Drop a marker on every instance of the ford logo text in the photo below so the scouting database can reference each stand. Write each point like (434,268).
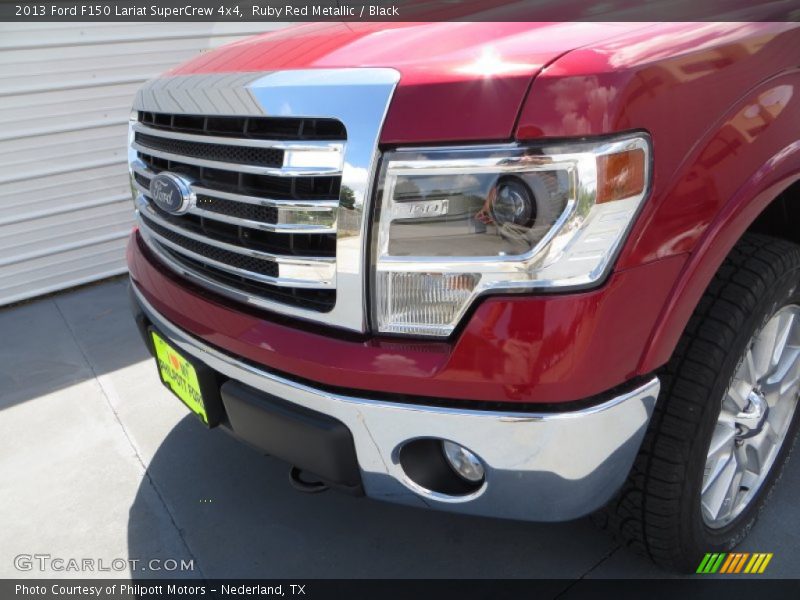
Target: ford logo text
(172,193)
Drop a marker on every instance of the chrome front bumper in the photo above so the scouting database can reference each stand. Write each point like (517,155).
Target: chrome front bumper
(539,466)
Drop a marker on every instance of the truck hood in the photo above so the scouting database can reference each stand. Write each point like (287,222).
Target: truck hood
(458,81)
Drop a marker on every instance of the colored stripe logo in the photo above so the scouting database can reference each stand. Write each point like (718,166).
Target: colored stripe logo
(735,562)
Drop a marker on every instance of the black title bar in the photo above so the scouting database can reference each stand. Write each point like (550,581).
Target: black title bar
(731,588)
(400,10)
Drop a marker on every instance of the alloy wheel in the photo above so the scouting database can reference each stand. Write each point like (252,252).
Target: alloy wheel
(756,414)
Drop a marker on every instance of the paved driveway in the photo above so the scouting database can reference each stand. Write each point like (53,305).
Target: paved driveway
(98,461)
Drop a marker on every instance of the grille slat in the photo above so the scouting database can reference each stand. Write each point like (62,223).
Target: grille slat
(286,216)
(304,145)
(269,186)
(276,157)
(241,287)
(256,169)
(216,152)
(292,128)
(263,218)
(153,214)
(289,271)
(245,212)
(224,259)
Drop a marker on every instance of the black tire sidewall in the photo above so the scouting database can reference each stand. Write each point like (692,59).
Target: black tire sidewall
(698,538)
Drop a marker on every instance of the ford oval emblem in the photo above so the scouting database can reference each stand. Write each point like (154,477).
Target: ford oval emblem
(172,193)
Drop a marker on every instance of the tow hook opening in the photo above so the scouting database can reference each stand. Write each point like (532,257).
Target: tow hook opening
(303,482)
(442,467)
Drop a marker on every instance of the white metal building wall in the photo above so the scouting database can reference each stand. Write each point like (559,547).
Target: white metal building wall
(65,96)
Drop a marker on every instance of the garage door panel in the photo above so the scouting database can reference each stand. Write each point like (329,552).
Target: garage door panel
(38,153)
(52,234)
(49,35)
(49,274)
(65,97)
(53,192)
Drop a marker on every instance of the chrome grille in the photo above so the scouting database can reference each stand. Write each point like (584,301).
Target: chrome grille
(281,166)
(264,218)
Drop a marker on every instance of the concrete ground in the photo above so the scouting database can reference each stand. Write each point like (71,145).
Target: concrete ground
(99,461)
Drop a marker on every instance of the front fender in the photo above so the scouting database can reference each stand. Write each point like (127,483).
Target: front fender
(780,171)
(722,104)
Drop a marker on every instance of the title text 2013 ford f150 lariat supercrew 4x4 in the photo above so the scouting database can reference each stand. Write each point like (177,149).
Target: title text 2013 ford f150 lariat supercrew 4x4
(531,271)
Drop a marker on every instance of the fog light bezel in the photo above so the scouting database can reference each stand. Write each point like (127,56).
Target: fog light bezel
(427,472)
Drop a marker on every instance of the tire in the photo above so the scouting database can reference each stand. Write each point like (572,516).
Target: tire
(658,512)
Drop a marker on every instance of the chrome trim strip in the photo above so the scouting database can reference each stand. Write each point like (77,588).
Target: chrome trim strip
(144,205)
(295,205)
(358,98)
(137,166)
(316,154)
(150,235)
(539,466)
(219,287)
(240,167)
(285,145)
(283,213)
(306,272)
(273,227)
(305,205)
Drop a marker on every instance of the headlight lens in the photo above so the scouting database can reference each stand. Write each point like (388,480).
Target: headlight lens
(454,223)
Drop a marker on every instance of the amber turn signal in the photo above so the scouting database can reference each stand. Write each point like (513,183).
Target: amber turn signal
(620,175)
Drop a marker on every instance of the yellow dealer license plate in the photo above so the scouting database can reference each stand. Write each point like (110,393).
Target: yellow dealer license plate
(180,376)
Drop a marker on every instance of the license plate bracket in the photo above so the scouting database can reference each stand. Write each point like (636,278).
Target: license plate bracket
(195,384)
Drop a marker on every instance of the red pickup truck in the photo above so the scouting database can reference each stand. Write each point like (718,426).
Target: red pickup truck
(531,271)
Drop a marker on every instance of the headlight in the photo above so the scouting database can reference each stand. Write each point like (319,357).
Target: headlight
(455,223)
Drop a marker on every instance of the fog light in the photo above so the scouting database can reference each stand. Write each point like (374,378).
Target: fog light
(463,462)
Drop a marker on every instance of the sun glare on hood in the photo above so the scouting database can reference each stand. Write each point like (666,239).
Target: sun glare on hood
(491,64)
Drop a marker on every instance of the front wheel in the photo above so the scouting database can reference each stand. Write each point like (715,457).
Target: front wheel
(726,417)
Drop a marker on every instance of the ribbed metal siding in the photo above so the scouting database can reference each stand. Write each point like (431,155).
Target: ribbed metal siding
(65,96)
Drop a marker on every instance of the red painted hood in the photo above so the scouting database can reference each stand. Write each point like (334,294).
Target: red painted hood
(459,81)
